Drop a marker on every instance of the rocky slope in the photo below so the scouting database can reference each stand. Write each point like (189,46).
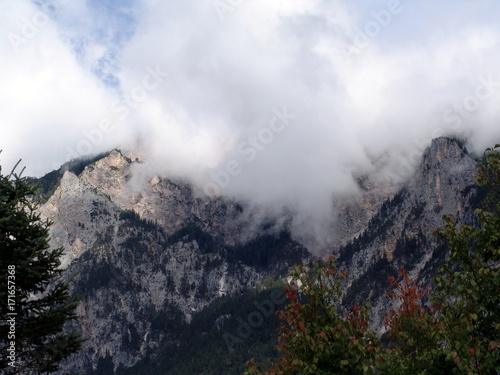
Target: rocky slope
(146,261)
(148,256)
(400,234)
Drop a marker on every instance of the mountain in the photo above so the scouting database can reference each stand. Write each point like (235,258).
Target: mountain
(400,234)
(148,261)
(171,279)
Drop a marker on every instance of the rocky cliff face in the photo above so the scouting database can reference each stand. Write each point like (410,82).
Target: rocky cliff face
(149,255)
(148,260)
(400,234)
(106,185)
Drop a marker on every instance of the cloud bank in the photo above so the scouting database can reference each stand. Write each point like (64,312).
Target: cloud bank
(277,102)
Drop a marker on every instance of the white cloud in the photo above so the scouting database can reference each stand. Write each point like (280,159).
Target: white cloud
(48,100)
(227,78)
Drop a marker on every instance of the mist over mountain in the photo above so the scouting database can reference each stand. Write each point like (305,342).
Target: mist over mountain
(162,265)
(283,103)
(190,152)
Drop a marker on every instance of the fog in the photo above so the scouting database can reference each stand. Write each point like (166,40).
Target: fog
(278,103)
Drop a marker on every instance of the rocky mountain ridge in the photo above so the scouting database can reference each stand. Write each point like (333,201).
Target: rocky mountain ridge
(141,275)
(400,234)
(150,256)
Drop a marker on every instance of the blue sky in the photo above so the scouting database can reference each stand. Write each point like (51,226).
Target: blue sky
(189,84)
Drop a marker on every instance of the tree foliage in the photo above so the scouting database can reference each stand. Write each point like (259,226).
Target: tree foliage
(468,286)
(34,302)
(451,329)
(316,336)
(414,332)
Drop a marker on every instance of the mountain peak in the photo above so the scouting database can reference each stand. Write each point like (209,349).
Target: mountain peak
(445,173)
(445,149)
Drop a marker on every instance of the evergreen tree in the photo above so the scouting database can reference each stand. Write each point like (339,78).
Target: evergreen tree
(34,301)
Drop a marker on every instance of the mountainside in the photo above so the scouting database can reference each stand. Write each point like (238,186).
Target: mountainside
(154,260)
(148,261)
(400,234)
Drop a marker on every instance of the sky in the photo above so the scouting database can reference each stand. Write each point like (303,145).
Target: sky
(278,102)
